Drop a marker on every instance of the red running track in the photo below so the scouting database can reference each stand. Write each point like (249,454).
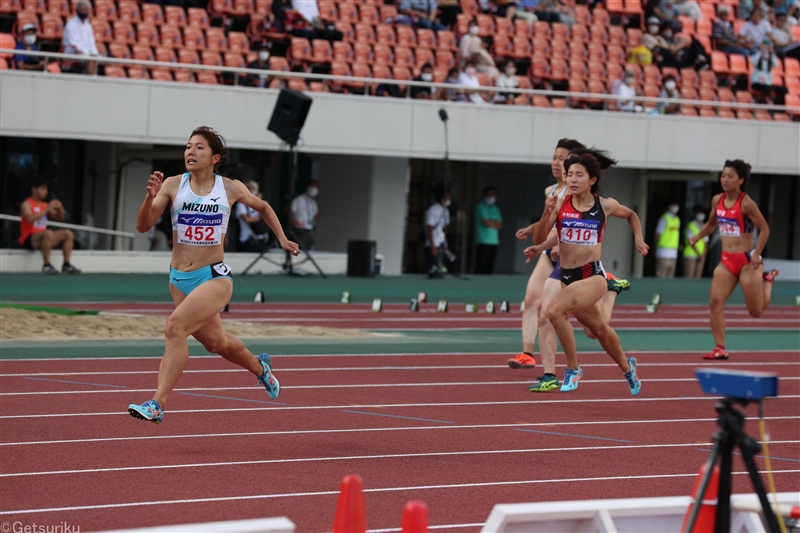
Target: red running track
(459,432)
(398,316)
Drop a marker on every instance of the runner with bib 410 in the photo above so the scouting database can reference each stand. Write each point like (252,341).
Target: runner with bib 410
(200,282)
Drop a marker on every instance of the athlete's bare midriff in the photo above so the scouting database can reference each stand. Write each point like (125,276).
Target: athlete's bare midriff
(187,258)
(737,245)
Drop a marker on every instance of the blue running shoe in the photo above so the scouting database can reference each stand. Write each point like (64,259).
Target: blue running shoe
(268,379)
(149,410)
(633,379)
(571,378)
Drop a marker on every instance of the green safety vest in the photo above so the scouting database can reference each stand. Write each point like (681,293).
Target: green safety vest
(694,228)
(671,238)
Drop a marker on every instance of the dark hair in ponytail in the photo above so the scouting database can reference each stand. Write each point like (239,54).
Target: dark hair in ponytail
(596,162)
(742,169)
(215,141)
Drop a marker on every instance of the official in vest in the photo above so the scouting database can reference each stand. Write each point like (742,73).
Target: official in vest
(694,257)
(668,239)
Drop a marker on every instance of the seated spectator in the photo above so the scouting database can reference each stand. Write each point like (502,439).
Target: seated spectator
(454,95)
(755,30)
(650,38)
(510,9)
(690,8)
(670,90)
(761,80)
(448,12)
(469,77)
(34,234)
(663,10)
(260,63)
(79,37)
(425,93)
(723,36)
(422,13)
(253,231)
(507,80)
(28,42)
(626,89)
(746,8)
(472,48)
(680,52)
(544,10)
(290,20)
(783,38)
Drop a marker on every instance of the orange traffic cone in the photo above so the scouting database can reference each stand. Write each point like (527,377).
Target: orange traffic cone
(415,517)
(708,507)
(350,512)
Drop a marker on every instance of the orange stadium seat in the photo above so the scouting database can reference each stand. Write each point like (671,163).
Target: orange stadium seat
(579,33)
(426,38)
(387,13)
(404,57)
(152,14)
(193,38)
(34,6)
(115,71)
(362,53)
(725,112)
(382,54)
(51,28)
(119,50)
(102,30)
(207,77)
(327,10)
(503,26)
(501,46)
(194,17)
(369,14)
(384,34)
(128,10)
(522,28)
(166,54)
(9,6)
(348,12)
(123,32)
(242,8)
(275,63)
(147,34)
(486,26)
(61,8)
(462,23)
(342,51)
(176,16)
(364,33)
(582,14)
(300,49)
(405,36)
(188,57)
(444,59)
(142,52)
(264,8)
(237,42)
(321,51)
(447,40)
(171,36)
(634,37)
(423,57)
(236,60)
(215,39)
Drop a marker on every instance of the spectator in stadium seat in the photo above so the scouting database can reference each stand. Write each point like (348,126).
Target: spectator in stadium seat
(425,93)
(507,80)
(290,20)
(448,12)
(422,13)
(679,52)
(668,236)
(510,9)
(670,90)
(253,231)
(652,38)
(783,38)
(690,8)
(260,63)
(304,212)
(724,37)
(755,30)
(488,222)
(28,42)
(469,77)
(34,234)
(746,8)
(454,95)
(472,48)
(761,79)
(79,37)
(663,10)
(544,10)
(626,89)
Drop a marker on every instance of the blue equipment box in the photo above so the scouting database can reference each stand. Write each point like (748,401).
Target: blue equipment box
(738,384)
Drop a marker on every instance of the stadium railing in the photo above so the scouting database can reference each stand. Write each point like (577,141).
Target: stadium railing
(792,112)
(91,229)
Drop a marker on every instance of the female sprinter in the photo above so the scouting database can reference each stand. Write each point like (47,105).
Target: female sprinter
(581,217)
(200,282)
(544,267)
(737,215)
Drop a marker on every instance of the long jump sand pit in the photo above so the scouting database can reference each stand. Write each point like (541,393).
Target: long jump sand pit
(25,325)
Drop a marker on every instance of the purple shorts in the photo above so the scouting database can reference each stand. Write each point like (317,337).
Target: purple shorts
(556,274)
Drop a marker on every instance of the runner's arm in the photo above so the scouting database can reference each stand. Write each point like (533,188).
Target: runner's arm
(159,193)
(712,223)
(549,217)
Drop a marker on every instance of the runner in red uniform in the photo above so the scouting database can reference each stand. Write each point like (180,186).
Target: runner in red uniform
(737,215)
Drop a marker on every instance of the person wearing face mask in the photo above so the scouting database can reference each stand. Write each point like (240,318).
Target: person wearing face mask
(437,218)
(668,238)
(670,90)
(28,42)
(651,39)
(253,231)
(425,93)
(507,80)
(304,211)
(469,77)
(488,223)
(723,35)
(260,63)
(472,48)
(694,255)
(79,36)
(626,90)
(764,62)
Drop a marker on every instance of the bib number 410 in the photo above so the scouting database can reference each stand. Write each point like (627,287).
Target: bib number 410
(578,235)
(199,233)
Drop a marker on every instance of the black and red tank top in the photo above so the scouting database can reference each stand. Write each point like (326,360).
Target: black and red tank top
(582,228)
(733,222)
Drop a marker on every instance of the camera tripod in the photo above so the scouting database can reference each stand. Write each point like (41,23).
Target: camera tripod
(731,435)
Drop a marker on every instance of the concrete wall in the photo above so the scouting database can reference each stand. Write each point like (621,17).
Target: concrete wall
(109,109)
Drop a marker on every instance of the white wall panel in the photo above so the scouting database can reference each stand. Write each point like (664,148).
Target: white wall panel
(96,108)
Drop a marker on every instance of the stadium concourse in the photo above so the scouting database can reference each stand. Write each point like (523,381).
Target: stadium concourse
(586,47)
(422,406)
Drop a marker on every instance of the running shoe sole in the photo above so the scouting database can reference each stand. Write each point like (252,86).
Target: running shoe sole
(513,363)
(712,357)
(638,384)
(135,413)
(266,364)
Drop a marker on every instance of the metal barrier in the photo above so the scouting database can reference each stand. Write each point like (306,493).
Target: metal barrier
(76,227)
(793,112)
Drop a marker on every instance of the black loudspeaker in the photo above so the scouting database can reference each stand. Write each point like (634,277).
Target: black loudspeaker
(361,259)
(289,115)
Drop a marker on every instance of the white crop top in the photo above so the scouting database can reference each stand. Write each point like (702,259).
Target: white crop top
(200,220)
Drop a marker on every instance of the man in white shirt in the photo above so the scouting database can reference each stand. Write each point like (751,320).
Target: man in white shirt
(308,8)
(79,36)
(253,231)
(755,30)
(437,217)
(626,89)
(304,211)
(469,77)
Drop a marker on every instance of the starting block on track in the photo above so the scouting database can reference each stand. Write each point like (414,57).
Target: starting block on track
(377,305)
(442,307)
(504,307)
(422,297)
(471,308)
(653,306)
(490,308)
(346,298)
(259,297)
(414,305)
(522,307)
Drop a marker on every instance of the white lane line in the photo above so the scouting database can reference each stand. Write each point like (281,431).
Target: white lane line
(356,386)
(370,430)
(648,353)
(441,526)
(366,457)
(370,368)
(393,405)
(483,320)
(376,490)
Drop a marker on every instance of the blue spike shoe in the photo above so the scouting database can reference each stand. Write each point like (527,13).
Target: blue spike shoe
(149,410)
(268,379)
